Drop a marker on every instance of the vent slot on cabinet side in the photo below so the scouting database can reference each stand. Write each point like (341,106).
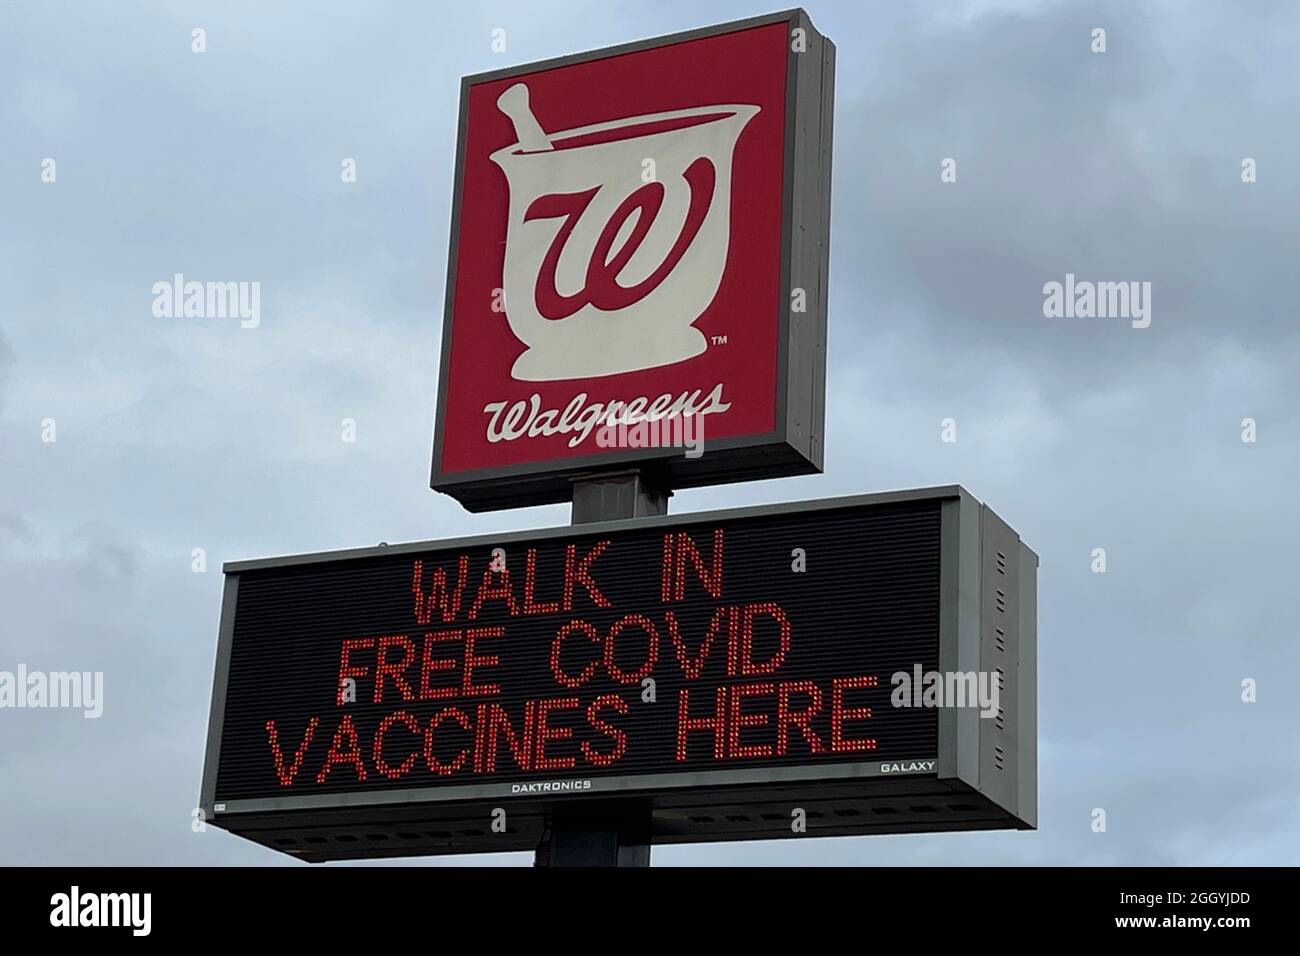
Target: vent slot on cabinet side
(999,633)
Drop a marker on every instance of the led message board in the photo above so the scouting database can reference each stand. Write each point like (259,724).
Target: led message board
(724,668)
(637,263)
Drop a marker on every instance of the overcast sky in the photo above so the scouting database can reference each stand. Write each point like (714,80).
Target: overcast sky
(176,434)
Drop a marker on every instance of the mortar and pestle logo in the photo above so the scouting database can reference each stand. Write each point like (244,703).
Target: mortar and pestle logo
(604,271)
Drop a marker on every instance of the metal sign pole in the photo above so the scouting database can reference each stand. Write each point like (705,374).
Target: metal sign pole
(605,833)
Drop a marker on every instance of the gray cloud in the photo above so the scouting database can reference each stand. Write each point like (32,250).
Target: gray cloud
(6,366)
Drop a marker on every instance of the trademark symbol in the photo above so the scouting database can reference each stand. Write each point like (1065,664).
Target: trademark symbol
(719,340)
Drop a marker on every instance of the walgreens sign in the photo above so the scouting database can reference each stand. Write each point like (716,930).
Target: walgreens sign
(637,266)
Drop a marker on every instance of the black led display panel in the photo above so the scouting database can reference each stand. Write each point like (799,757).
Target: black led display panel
(648,656)
(534,663)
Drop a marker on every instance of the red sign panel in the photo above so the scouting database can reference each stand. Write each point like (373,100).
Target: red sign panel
(620,265)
